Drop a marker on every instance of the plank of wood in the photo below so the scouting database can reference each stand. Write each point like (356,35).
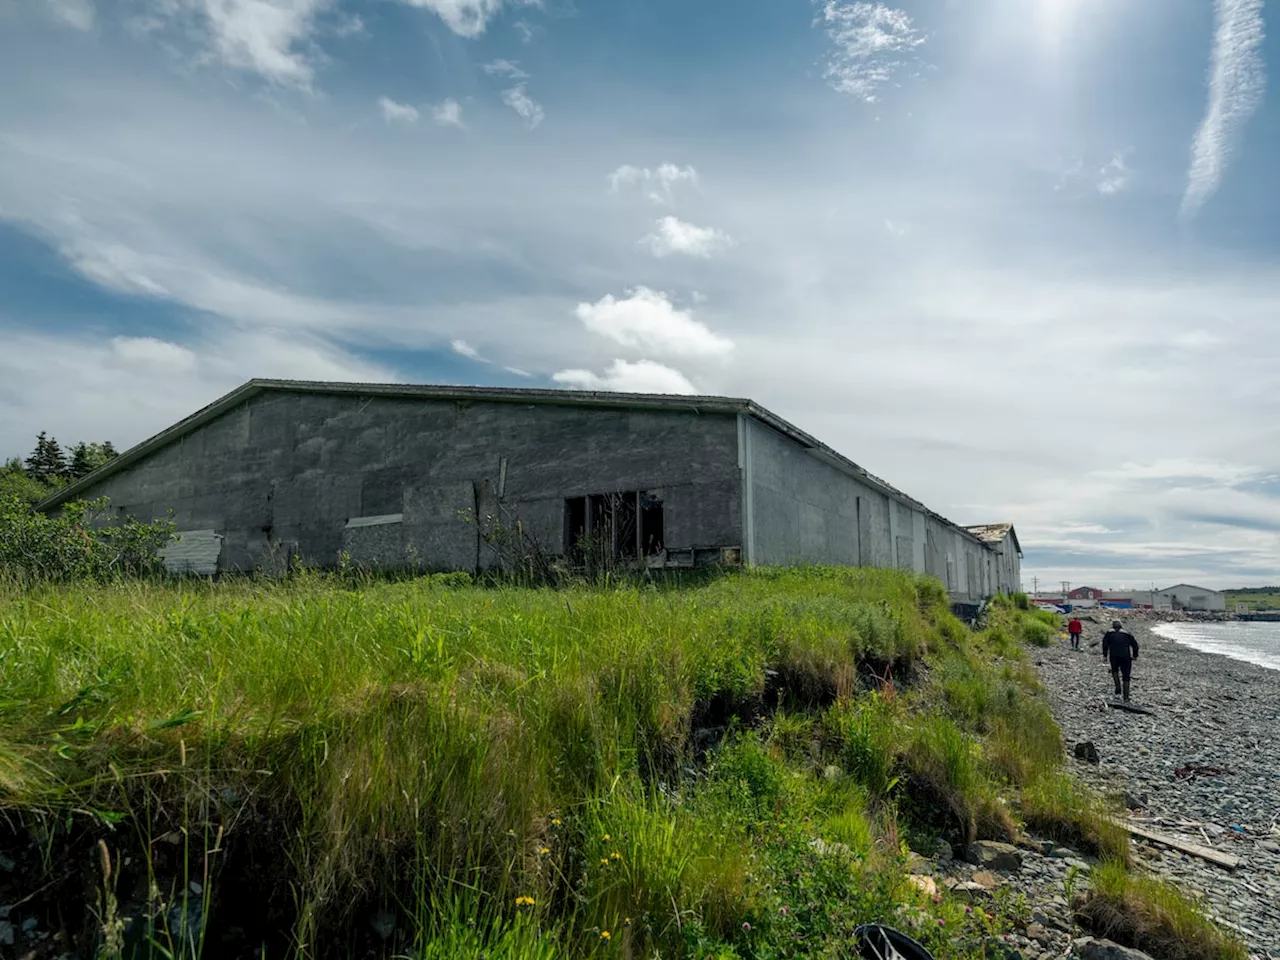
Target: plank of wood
(1196,850)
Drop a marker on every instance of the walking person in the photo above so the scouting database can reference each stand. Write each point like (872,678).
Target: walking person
(1075,628)
(1122,649)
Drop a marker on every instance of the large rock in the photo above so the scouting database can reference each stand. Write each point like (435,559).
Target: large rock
(1087,752)
(994,856)
(1087,948)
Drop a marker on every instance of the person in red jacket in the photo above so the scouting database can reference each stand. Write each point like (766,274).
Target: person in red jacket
(1075,628)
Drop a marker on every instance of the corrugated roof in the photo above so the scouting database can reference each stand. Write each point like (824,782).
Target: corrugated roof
(995,533)
(576,398)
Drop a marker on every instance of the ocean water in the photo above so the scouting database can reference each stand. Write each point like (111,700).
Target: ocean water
(1252,642)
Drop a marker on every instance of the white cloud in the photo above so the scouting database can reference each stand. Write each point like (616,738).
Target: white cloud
(642,376)
(393,112)
(74,13)
(462,348)
(896,228)
(518,100)
(525,29)
(467,18)
(657,183)
(1237,80)
(674,236)
(872,41)
(1115,176)
(647,319)
(447,113)
(149,352)
(505,68)
(263,36)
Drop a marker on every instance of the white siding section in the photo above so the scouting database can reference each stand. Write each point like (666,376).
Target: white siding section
(192,551)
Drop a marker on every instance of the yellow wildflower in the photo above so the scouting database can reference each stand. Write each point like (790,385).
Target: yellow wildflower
(607,837)
(604,861)
(524,901)
(605,935)
(615,855)
(543,851)
(556,821)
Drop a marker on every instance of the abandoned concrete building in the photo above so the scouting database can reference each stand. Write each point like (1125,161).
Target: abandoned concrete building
(390,475)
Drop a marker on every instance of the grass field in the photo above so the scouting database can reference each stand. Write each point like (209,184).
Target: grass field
(326,767)
(1262,598)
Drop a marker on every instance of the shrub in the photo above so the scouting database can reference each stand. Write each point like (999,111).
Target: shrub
(1153,916)
(77,543)
(1036,632)
(1059,808)
(865,733)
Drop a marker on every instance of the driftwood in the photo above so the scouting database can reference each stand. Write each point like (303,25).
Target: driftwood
(1196,850)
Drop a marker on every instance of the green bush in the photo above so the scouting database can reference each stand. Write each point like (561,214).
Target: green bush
(78,543)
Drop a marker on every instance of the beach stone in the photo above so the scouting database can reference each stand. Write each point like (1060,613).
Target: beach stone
(986,879)
(925,884)
(1087,948)
(942,851)
(994,855)
(1037,932)
(1086,751)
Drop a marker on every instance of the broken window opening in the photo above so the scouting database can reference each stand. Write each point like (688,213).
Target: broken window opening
(614,527)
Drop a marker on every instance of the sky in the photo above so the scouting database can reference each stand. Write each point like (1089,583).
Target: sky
(1021,258)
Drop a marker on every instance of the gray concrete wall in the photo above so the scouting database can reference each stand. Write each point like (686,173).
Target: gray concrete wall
(285,472)
(803,509)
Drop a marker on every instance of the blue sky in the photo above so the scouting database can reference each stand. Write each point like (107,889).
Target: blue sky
(1019,257)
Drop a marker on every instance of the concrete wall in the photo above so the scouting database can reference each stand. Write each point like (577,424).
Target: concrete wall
(805,509)
(284,473)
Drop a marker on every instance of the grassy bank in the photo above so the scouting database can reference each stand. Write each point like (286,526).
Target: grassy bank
(433,769)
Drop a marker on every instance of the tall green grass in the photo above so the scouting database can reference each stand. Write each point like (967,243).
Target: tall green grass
(616,770)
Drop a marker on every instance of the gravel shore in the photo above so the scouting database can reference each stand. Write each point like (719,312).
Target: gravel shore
(1209,711)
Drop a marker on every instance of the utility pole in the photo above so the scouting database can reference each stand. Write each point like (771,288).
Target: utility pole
(1035,586)
(1066,588)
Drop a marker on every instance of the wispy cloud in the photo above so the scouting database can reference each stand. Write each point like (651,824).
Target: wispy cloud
(267,37)
(1115,176)
(151,352)
(447,113)
(505,68)
(673,236)
(518,99)
(872,42)
(393,112)
(1237,80)
(623,376)
(464,349)
(647,319)
(74,13)
(467,18)
(656,182)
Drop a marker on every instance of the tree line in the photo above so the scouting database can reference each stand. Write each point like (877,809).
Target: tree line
(49,467)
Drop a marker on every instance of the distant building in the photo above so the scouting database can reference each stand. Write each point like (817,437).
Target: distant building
(421,476)
(1185,596)
(1085,593)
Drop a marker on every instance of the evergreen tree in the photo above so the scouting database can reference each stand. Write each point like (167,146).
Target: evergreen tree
(81,462)
(90,456)
(47,463)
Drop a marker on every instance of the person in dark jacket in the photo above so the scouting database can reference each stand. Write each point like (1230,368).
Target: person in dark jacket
(1122,649)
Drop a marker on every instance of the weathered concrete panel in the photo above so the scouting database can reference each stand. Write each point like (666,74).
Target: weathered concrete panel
(286,470)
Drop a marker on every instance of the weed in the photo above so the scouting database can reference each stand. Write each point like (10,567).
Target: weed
(1153,916)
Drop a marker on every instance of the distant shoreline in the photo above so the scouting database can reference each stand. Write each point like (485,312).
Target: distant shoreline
(1212,638)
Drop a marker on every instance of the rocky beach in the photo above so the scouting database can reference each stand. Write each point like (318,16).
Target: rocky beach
(1204,766)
